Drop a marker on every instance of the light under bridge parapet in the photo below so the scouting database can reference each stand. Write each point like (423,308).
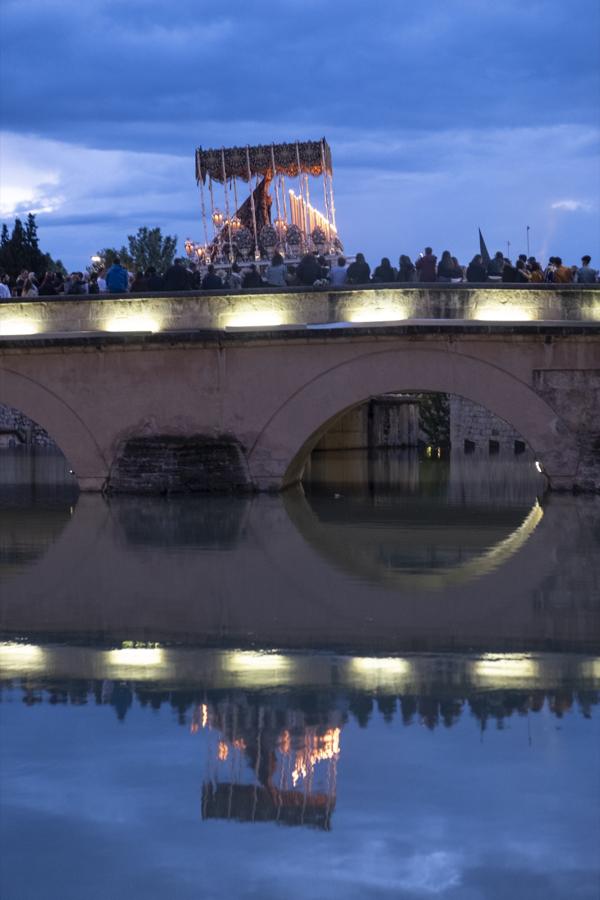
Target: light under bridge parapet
(190,311)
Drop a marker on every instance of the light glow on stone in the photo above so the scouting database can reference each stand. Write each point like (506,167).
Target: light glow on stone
(250,659)
(133,322)
(394,313)
(18,325)
(255,318)
(503,312)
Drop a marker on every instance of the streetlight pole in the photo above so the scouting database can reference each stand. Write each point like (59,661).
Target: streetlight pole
(508,249)
(528,242)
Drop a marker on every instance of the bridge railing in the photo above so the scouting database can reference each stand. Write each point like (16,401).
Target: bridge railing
(189,311)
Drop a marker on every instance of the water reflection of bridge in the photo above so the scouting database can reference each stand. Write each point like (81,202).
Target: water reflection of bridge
(296,574)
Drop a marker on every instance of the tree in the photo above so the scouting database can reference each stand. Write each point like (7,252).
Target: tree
(149,248)
(30,235)
(21,250)
(109,254)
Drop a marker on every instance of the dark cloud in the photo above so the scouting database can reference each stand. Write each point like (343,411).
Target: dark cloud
(162,70)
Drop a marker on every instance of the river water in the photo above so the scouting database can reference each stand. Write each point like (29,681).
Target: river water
(383,684)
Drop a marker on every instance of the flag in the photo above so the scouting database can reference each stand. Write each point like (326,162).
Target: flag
(483,250)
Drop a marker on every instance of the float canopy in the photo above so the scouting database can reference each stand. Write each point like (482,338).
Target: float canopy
(310,157)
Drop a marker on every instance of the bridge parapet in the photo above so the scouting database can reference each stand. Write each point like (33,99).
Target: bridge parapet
(269,309)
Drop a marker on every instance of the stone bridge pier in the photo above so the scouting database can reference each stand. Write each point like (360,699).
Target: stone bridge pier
(242,409)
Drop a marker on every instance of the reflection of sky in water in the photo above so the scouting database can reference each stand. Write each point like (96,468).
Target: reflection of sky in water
(112,808)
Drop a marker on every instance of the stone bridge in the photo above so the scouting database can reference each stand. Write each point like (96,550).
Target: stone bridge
(217,407)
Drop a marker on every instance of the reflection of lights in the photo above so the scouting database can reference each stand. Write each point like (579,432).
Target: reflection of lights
(317,748)
(503,312)
(538,466)
(132,323)
(591,668)
(379,314)
(496,667)
(254,318)
(204,714)
(222,751)
(239,744)
(136,656)
(18,325)
(21,657)
(381,664)
(250,659)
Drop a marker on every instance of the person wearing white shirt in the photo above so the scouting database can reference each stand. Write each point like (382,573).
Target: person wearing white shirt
(4,289)
(337,274)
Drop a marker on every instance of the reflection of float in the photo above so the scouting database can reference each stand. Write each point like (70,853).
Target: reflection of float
(267,764)
(273,216)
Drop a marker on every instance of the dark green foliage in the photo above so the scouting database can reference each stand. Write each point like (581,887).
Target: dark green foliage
(22,251)
(146,248)
(109,254)
(434,416)
(149,248)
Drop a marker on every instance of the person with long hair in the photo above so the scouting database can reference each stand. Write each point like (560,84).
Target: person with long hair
(385,272)
(276,273)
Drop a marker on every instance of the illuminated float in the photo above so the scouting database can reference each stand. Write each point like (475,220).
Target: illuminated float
(276,213)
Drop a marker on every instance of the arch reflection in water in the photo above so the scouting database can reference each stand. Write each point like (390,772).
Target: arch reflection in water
(459,564)
(414,522)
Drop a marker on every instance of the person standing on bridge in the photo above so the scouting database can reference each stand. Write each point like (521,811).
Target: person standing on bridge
(359,272)
(177,278)
(426,266)
(276,274)
(117,278)
(585,274)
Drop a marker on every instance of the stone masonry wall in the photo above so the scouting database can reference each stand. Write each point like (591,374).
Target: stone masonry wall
(164,464)
(474,423)
(16,429)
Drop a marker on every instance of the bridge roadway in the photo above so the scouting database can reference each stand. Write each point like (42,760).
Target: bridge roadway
(178,405)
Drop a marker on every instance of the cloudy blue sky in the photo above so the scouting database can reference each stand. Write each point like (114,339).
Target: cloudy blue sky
(441,116)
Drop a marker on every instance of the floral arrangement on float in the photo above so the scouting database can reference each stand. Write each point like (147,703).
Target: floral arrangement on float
(319,238)
(294,239)
(268,238)
(243,241)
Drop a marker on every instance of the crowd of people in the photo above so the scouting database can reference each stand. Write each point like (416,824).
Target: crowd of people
(312,271)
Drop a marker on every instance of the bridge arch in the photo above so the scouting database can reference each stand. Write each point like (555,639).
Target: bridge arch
(279,454)
(64,425)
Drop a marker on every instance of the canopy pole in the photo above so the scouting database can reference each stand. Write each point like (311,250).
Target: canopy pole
(283,200)
(203,208)
(325,196)
(212,206)
(304,211)
(309,224)
(253,208)
(228,217)
(331,201)
(275,182)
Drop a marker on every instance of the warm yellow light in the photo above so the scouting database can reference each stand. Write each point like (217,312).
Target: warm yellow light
(503,312)
(20,657)
(18,325)
(591,668)
(378,314)
(135,656)
(134,322)
(497,667)
(255,318)
(249,659)
(386,664)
